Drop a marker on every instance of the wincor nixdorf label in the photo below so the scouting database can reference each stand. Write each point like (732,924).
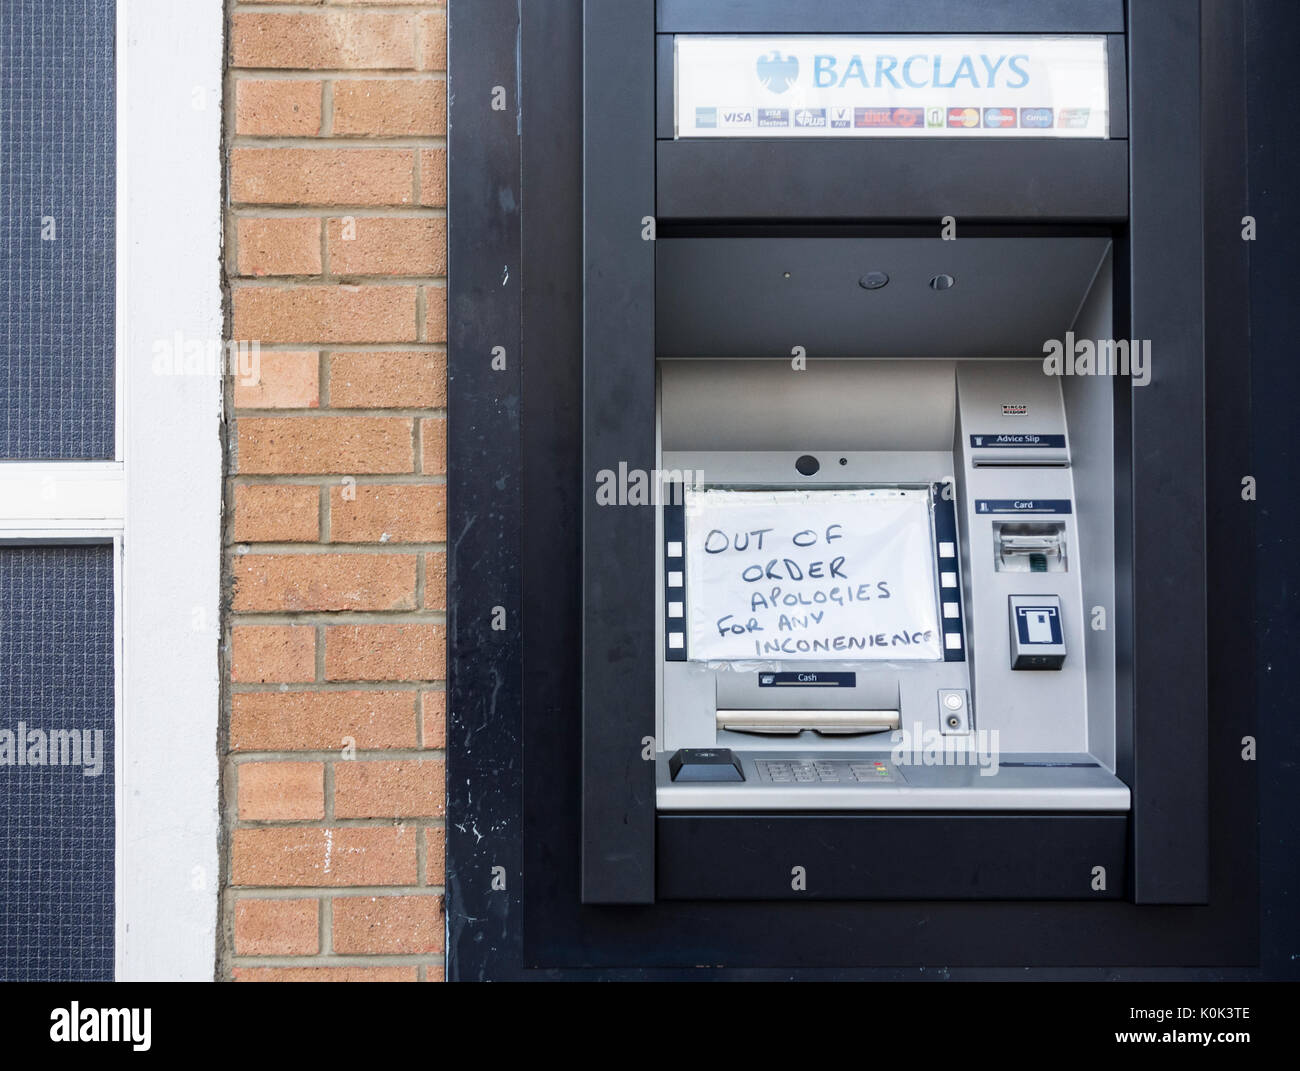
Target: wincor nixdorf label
(808,680)
(1018,439)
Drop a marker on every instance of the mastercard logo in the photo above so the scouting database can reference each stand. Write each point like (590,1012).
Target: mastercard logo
(963,117)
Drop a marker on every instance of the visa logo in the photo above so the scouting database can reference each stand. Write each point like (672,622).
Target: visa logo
(738,117)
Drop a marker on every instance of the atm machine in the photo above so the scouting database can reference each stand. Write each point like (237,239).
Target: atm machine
(862,489)
(900,359)
(895,597)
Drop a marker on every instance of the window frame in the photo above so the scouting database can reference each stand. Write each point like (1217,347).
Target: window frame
(158,502)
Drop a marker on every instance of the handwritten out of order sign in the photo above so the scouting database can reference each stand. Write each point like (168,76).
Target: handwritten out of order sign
(811,575)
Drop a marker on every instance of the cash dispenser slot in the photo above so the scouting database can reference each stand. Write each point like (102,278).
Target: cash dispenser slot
(823,722)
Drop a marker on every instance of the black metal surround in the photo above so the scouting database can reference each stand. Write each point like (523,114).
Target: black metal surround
(1267,315)
(890,16)
(849,857)
(484,470)
(973,181)
(554,934)
(618,637)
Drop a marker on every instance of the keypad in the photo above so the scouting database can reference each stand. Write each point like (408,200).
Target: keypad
(824,772)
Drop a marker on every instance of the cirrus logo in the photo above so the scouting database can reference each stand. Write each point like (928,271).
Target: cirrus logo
(776,72)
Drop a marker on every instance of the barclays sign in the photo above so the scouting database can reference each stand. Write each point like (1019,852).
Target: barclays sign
(961,86)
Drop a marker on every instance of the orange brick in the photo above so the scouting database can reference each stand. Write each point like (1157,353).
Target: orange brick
(390,925)
(433,177)
(433,439)
(411,788)
(260,654)
(435,314)
(433,715)
(276,927)
(325,313)
(325,974)
(324,445)
(306,856)
(334,40)
(435,581)
(433,41)
(270,107)
(322,176)
(388,246)
(390,107)
(281,791)
(397,513)
(297,582)
(278,245)
(274,513)
(324,721)
(415,652)
(281,379)
(435,856)
(388,380)
(435,972)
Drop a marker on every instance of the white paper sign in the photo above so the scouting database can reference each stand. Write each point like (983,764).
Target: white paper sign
(811,575)
(892,86)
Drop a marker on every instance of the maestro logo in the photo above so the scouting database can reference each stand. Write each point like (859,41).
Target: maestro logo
(776,72)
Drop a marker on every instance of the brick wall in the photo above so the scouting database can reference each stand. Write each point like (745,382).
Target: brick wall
(336,495)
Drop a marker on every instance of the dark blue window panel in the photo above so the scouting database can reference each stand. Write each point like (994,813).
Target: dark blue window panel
(56,818)
(57,161)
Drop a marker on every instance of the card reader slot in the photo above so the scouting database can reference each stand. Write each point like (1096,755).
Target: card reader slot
(1029,547)
(792,722)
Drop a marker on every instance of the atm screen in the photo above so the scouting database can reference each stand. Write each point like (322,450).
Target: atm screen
(834,575)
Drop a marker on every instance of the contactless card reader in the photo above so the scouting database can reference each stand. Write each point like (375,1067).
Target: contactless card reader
(705,764)
(1037,636)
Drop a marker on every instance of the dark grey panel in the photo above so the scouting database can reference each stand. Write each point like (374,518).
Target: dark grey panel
(890,857)
(665,87)
(56,816)
(1117,78)
(57,184)
(1170,799)
(891,16)
(730,297)
(893,179)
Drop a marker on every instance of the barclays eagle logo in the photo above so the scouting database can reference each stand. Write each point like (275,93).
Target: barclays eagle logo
(776,73)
